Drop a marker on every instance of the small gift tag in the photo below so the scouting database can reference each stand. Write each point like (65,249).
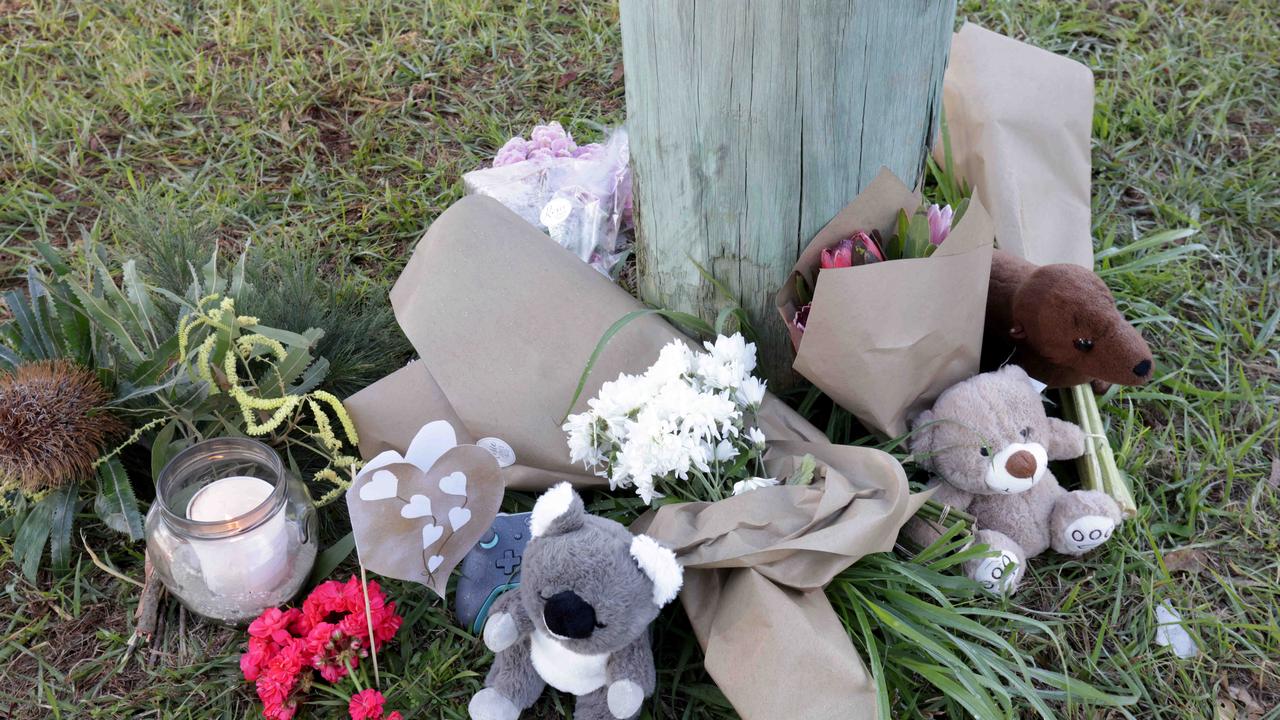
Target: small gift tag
(501,451)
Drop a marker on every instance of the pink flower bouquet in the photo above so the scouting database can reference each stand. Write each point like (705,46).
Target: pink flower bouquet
(886,305)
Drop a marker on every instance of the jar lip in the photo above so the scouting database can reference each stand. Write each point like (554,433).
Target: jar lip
(215,529)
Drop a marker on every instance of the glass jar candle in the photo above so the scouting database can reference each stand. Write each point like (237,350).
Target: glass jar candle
(231,532)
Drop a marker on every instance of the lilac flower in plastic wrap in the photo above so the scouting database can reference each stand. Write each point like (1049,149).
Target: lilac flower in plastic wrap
(578,195)
(515,150)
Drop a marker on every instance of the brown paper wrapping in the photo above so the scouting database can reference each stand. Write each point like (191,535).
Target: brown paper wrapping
(504,320)
(1020,119)
(755,566)
(884,340)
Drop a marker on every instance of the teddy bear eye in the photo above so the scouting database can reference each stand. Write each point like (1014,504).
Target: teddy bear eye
(1083,344)
(985,452)
(1026,433)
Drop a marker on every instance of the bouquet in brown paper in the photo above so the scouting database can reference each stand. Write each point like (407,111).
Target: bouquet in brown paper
(505,320)
(896,315)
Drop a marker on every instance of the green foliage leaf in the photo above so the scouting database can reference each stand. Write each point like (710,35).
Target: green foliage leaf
(804,472)
(162,449)
(331,558)
(803,294)
(64,501)
(116,505)
(615,328)
(101,313)
(33,534)
(140,298)
(917,236)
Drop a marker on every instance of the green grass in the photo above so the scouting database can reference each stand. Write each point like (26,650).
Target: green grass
(345,127)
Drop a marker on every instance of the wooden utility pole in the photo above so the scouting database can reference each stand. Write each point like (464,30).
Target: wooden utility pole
(753,122)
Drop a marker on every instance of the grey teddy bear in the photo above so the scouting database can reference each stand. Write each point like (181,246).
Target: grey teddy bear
(989,443)
(579,621)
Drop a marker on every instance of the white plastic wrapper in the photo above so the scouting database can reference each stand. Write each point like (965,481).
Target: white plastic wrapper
(583,203)
(1171,633)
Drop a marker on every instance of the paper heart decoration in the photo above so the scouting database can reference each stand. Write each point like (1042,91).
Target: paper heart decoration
(422,531)
(418,505)
(431,533)
(433,440)
(380,487)
(458,517)
(454,484)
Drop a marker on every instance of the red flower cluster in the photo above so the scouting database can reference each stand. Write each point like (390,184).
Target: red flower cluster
(328,634)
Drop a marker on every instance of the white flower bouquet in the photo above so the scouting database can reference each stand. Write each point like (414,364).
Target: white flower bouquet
(685,428)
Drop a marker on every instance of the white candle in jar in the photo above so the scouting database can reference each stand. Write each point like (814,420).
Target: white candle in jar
(255,560)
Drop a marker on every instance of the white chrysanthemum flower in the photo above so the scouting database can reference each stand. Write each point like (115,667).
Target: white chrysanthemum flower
(754,483)
(685,415)
(583,441)
(751,392)
(728,361)
(674,362)
(725,451)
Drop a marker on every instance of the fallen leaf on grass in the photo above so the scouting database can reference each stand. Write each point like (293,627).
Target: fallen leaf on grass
(1241,695)
(1238,698)
(566,78)
(1189,560)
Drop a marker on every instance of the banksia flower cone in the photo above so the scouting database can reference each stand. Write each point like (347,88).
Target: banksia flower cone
(52,426)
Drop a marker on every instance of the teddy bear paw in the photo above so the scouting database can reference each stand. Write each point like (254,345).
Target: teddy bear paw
(998,574)
(500,632)
(1087,533)
(489,704)
(625,698)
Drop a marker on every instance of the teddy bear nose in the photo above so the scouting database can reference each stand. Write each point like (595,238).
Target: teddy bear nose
(1021,464)
(1142,368)
(568,615)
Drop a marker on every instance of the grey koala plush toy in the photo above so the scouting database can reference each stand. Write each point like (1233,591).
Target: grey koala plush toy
(988,442)
(579,621)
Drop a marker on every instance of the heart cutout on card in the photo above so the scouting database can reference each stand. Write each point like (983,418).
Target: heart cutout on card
(454,484)
(380,487)
(458,517)
(430,519)
(418,506)
(431,533)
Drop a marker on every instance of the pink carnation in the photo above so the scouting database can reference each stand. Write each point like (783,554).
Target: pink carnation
(366,705)
(273,623)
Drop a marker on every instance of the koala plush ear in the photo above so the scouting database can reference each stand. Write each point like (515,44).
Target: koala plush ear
(558,511)
(660,564)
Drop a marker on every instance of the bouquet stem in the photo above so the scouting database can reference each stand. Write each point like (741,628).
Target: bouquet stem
(1098,467)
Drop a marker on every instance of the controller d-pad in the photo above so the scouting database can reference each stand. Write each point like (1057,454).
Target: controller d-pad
(509,562)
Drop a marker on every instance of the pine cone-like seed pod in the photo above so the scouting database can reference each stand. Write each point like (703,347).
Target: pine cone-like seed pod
(52,424)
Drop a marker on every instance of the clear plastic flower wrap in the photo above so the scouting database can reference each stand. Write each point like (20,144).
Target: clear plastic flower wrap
(580,196)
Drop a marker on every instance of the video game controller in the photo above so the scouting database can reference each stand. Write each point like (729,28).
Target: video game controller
(490,569)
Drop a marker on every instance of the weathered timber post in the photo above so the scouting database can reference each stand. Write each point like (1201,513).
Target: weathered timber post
(753,122)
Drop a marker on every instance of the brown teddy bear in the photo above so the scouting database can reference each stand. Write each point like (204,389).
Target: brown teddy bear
(1060,323)
(988,442)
